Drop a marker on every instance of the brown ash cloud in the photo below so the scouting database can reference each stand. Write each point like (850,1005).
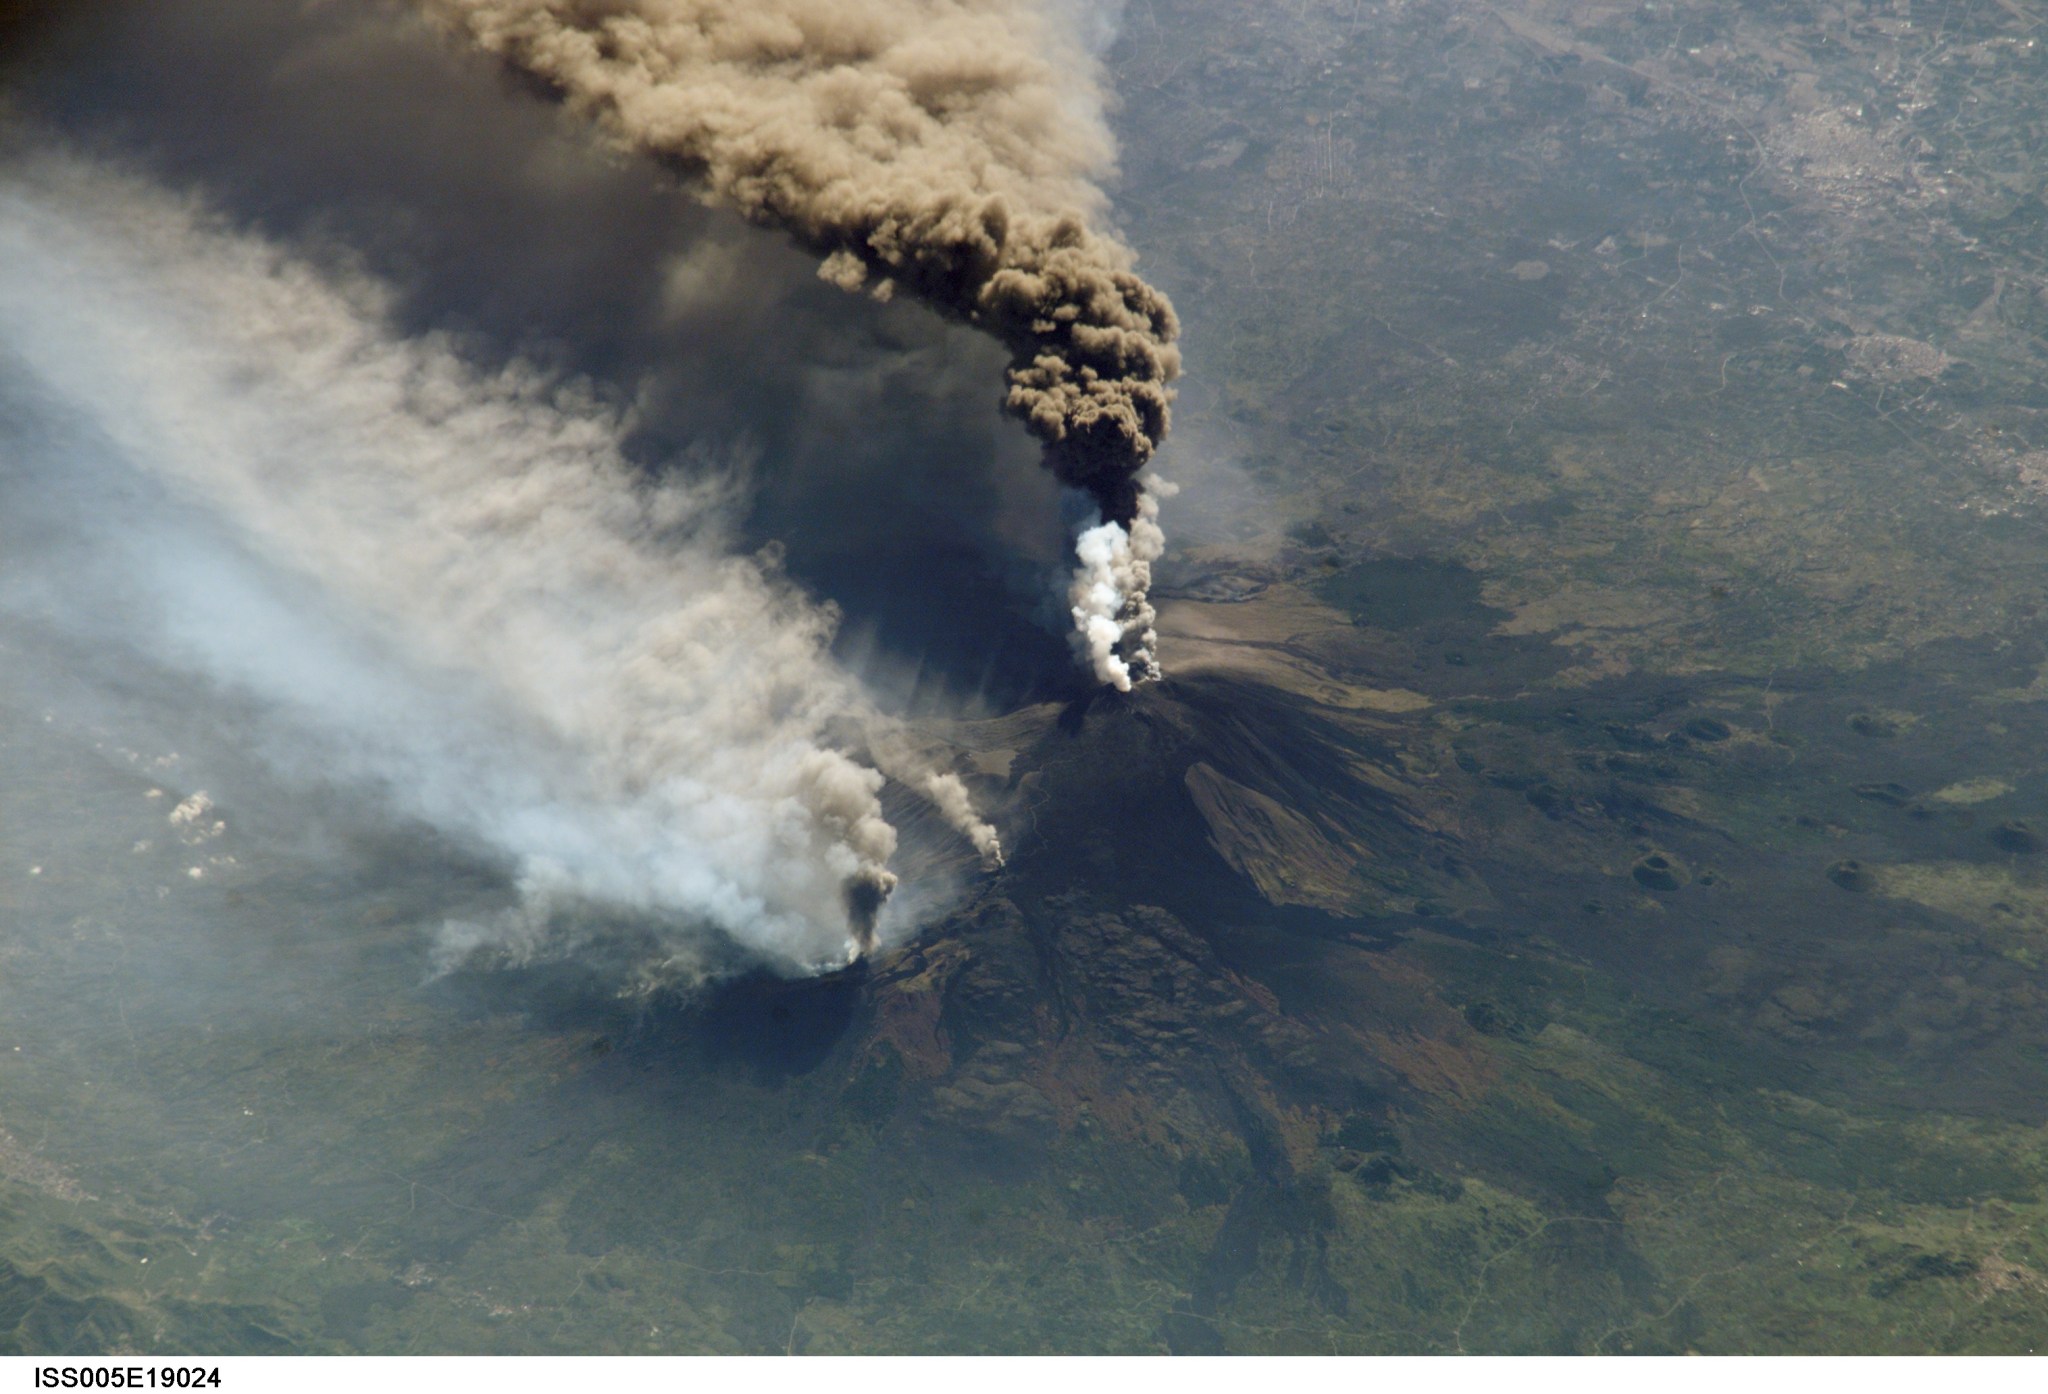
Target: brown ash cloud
(944,149)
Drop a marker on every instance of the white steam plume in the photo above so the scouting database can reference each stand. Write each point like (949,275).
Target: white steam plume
(1113,616)
(447,583)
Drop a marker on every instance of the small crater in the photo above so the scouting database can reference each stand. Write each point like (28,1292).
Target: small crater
(1852,875)
(1660,871)
(2016,836)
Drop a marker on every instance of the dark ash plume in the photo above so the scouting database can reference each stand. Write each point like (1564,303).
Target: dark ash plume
(943,148)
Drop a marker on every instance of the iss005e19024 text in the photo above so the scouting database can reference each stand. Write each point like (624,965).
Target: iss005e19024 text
(127,1377)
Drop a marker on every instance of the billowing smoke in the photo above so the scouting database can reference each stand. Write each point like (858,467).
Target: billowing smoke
(444,584)
(943,148)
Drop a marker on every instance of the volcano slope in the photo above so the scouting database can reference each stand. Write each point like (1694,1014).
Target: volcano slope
(1267,1042)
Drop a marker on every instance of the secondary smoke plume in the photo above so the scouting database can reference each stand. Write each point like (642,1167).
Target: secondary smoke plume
(944,148)
(949,795)
(445,585)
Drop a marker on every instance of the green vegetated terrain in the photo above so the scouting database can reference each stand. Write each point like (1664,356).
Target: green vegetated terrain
(1579,890)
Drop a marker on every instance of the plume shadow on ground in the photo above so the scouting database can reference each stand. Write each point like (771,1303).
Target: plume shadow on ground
(879,460)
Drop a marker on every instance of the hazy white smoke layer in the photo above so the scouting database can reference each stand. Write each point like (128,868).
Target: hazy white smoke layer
(447,582)
(1096,23)
(947,149)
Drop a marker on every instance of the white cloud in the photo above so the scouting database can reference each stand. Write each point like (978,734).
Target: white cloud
(445,583)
